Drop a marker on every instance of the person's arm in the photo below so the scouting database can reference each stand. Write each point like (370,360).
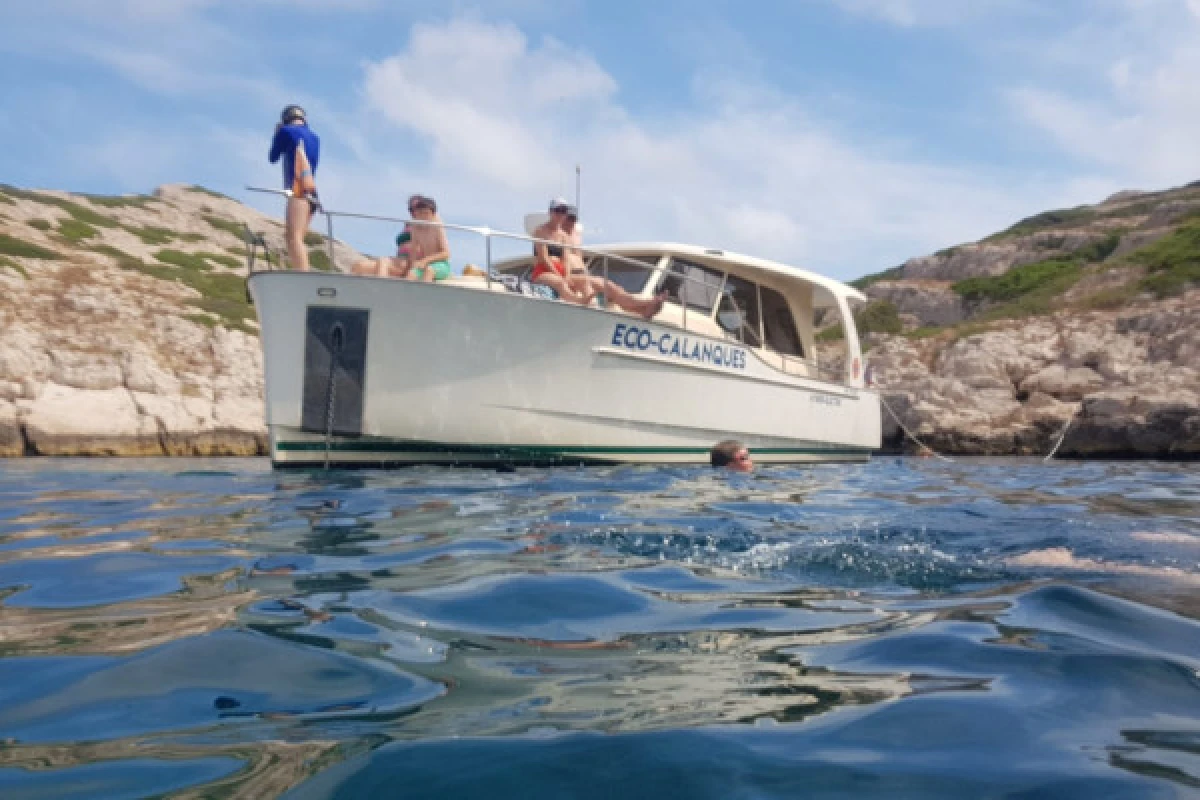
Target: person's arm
(278,144)
(541,254)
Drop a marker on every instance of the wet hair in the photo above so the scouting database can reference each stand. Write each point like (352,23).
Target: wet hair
(725,453)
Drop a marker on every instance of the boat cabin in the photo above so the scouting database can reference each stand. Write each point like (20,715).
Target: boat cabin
(770,308)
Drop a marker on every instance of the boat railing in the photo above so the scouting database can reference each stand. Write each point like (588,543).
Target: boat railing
(792,365)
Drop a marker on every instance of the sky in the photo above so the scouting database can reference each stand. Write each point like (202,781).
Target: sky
(843,136)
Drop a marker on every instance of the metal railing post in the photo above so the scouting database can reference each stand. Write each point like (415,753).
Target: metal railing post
(487,250)
(329,239)
(683,298)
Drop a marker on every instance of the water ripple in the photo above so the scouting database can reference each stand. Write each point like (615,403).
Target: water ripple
(904,628)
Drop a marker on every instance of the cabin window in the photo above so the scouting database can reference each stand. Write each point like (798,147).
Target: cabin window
(778,325)
(738,313)
(630,277)
(692,285)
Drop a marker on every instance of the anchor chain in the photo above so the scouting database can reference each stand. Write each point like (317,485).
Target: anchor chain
(335,349)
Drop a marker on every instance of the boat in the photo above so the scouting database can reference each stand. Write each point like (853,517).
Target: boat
(483,369)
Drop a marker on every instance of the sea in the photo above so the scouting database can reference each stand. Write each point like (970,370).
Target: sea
(905,628)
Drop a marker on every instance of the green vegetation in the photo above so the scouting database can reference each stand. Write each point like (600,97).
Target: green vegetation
(152,234)
(209,192)
(227,225)
(4,198)
(14,266)
(1029,282)
(201,319)
(834,334)
(880,316)
(11,246)
(926,332)
(319,259)
(1173,262)
(1110,298)
(1047,219)
(74,209)
(224,260)
(222,294)
(887,274)
(41,224)
(178,258)
(197,261)
(1101,248)
(191,237)
(75,231)
(121,201)
(313,239)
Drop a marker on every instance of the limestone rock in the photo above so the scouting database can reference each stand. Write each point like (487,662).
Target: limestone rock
(930,302)
(12,443)
(63,420)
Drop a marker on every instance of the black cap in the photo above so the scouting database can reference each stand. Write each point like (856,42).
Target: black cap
(292,113)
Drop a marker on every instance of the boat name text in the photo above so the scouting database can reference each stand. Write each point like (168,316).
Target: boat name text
(826,400)
(632,337)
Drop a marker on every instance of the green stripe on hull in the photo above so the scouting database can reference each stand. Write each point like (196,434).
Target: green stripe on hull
(376,446)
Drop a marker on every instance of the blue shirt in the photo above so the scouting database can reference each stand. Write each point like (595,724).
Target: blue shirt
(284,145)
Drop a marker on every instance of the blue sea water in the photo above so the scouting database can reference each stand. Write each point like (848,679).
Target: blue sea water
(905,628)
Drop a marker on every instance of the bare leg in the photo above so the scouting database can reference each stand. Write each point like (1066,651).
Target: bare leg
(643,307)
(397,267)
(560,285)
(299,214)
(367,266)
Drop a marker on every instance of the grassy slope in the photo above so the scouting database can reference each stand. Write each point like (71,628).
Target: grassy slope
(222,298)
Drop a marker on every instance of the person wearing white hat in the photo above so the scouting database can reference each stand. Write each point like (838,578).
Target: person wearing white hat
(590,285)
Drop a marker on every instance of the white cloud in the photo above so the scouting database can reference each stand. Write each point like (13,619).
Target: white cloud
(505,120)
(1141,125)
(911,13)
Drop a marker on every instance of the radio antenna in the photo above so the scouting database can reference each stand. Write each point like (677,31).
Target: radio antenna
(576,187)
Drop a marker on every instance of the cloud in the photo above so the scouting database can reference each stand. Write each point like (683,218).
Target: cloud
(912,13)
(1135,111)
(500,121)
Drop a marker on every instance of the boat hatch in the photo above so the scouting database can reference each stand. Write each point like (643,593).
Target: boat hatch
(335,360)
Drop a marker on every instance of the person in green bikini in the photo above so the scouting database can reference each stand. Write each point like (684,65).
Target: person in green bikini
(429,252)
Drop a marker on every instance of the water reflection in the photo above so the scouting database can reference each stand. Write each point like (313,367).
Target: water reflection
(231,631)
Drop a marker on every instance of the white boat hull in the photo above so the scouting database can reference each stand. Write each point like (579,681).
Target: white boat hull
(467,376)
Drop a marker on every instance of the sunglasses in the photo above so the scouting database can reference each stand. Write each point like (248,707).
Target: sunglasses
(559,210)
(415,208)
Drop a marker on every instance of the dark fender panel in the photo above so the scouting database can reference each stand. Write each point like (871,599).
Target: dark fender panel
(335,337)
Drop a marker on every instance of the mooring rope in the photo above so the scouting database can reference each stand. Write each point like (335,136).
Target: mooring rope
(910,434)
(1062,436)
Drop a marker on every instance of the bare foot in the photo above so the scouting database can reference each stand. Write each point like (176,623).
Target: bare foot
(654,305)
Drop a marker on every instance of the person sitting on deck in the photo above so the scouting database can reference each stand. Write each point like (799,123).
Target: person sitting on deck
(429,256)
(582,282)
(395,267)
(559,264)
(411,245)
(548,268)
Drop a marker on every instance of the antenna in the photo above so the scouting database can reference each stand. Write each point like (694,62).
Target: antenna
(576,187)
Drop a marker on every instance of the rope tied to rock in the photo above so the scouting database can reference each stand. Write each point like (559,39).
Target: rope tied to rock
(910,434)
(1063,436)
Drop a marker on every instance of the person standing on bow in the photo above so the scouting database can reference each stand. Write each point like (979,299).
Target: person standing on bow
(300,149)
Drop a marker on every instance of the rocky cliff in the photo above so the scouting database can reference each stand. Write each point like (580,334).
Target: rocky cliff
(125,329)
(1088,315)
(124,323)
